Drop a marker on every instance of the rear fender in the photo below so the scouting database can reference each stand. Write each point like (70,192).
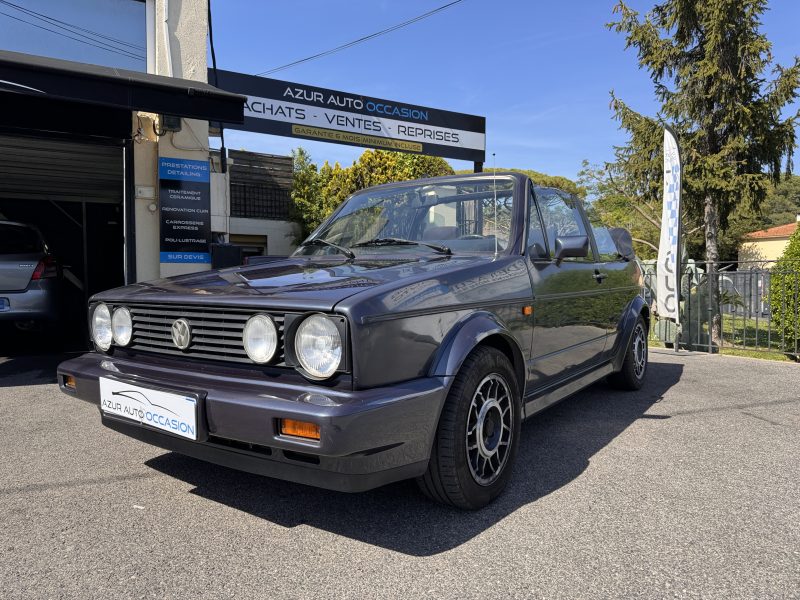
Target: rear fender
(636,307)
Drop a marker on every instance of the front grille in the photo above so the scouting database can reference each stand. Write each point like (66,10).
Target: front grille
(216,332)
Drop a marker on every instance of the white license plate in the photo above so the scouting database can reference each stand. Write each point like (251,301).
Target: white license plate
(174,413)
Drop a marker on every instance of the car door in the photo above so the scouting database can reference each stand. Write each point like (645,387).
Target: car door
(569,330)
(620,280)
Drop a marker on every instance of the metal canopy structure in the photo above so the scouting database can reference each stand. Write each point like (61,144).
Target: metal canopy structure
(117,88)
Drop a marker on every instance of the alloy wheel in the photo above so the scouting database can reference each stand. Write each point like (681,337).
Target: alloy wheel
(489,429)
(639,351)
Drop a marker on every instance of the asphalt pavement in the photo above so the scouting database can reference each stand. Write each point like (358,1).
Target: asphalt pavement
(689,488)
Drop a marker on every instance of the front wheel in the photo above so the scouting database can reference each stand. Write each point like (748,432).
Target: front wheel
(634,367)
(478,433)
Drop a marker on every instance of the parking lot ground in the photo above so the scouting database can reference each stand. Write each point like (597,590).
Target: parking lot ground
(689,488)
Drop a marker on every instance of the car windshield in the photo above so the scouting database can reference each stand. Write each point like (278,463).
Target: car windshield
(17,239)
(468,216)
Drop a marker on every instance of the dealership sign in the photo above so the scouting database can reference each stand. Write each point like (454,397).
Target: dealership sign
(302,111)
(185,199)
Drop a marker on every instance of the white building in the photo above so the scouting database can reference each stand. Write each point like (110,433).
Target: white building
(80,148)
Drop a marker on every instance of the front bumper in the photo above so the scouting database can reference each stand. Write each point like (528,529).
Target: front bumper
(368,438)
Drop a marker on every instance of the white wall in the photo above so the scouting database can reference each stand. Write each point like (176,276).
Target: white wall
(146,219)
(280,234)
(186,24)
(180,40)
(179,35)
(220,199)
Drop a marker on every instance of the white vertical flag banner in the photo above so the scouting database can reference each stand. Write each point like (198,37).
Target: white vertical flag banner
(668,269)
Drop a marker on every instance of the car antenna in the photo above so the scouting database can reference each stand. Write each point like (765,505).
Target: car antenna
(494,185)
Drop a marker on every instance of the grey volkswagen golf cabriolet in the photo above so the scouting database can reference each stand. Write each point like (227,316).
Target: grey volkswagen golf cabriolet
(407,337)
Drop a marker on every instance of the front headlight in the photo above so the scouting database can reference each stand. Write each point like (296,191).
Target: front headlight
(260,338)
(318,346)
(101,327)
(122,326)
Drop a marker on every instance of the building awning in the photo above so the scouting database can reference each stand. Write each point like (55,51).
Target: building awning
(106,86)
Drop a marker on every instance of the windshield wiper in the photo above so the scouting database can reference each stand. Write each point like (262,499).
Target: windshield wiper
(391,241)
(321,242)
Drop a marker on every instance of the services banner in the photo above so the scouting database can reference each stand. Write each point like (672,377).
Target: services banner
(295,110)
(185,199)
(669,264)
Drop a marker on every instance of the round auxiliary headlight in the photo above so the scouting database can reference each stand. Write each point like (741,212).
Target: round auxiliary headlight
(260,338)
(122,326)
(318,346)
(101,327)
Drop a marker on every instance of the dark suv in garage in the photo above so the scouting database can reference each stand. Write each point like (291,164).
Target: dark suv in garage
(407,337)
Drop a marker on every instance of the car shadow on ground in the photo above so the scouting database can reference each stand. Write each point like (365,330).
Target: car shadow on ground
(31,357)
(556,447)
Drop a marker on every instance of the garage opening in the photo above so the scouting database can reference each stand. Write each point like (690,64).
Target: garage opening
(73,193)
(66,169)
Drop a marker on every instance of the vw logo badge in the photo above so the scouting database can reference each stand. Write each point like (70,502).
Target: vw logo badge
(181,334)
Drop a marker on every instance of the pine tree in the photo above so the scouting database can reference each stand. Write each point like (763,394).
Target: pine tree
(707,60)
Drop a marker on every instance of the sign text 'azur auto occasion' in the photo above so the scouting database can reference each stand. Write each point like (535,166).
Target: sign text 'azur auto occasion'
(302,111)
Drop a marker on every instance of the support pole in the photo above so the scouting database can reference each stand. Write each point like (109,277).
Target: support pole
(85,256)
(710,281)
(129,212)
(478,167)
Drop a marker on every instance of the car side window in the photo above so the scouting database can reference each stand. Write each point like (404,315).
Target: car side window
(561,217)
(606,247)
(536,244)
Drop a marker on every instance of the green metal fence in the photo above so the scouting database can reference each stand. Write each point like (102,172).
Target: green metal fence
(757,303)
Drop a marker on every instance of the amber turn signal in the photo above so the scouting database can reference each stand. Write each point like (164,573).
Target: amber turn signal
(69,382)
(302,429)
(527,311)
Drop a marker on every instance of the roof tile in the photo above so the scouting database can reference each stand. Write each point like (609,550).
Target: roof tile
(779,231)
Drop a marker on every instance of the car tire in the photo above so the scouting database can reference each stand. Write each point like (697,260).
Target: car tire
(478,433)
(634,368)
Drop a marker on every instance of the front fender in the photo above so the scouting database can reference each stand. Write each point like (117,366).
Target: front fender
(636,307)
(465,336)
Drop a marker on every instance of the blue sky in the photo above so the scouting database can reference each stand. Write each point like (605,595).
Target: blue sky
(540,72)
(121,19)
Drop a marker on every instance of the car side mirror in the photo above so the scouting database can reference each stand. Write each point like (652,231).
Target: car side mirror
(536,251)
(572,246)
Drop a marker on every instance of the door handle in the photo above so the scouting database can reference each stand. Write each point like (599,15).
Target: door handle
(600,276)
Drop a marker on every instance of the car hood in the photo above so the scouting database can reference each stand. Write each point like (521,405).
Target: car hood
(307,283)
